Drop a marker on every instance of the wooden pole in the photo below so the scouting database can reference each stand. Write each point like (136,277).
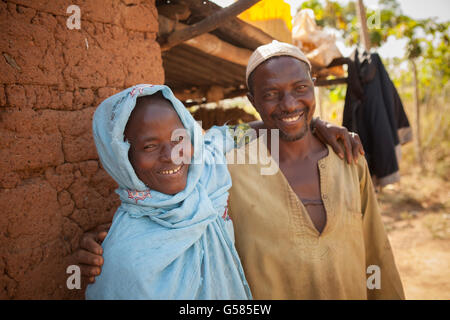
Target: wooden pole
(319,101)
(208,24)
(331,82)
(417,115)
(207,43)
(362,18)
(245,35)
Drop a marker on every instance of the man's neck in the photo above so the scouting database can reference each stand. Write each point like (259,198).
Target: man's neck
(298,149)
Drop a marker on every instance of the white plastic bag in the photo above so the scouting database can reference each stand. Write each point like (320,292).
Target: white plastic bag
(319,46)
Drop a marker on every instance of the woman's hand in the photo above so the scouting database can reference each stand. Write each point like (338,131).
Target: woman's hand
(331,134)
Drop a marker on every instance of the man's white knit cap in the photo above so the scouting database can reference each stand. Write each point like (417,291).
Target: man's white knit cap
(273,49)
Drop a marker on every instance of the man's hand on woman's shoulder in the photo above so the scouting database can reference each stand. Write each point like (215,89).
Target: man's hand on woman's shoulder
(89,254)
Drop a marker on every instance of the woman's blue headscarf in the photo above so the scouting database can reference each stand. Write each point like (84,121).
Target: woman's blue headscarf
(167,246)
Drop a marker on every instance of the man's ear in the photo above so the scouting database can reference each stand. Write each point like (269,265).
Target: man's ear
(251,98)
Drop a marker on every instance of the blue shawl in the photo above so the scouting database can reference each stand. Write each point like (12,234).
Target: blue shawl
(167,246)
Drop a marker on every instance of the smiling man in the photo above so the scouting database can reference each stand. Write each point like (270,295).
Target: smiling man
(312,230)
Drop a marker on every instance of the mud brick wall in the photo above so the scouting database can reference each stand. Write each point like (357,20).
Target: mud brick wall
(52,188)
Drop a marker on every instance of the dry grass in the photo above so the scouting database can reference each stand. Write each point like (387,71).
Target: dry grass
(416,211)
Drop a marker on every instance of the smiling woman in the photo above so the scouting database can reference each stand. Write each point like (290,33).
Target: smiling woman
(169,238)
(150,134)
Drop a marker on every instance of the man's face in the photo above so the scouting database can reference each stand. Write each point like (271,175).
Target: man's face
(283,94)
(149,132)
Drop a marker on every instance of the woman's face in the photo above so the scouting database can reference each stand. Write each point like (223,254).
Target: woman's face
(150,131)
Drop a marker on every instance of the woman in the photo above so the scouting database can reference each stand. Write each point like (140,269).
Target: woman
(170,238)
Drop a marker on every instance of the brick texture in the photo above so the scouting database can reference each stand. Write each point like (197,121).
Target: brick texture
(52,187)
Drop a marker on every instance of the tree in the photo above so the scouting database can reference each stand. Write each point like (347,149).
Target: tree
(426,49)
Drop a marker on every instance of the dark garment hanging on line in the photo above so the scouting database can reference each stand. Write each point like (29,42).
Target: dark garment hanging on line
(374,110)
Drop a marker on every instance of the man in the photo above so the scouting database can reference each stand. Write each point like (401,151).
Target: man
(311,230)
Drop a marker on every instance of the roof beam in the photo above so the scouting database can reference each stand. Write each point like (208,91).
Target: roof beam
(207,43)
(244,35)
(208,24)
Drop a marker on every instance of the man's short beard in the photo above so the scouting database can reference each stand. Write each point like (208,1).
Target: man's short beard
(298,136)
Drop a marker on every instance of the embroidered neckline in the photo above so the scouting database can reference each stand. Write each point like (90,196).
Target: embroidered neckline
(138,195)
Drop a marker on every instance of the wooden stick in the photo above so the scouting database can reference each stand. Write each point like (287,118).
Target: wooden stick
(364,32)
(207,43)
(207,24)
(325,83)
(245,35)
(417,116)
(319,104)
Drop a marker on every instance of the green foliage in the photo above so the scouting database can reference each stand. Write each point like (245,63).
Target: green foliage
(427,43)
(337,93)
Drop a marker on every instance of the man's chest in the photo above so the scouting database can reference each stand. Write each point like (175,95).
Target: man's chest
(274,235)
(304,180)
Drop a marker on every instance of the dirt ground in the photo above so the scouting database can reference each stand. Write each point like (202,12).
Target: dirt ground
(416,213)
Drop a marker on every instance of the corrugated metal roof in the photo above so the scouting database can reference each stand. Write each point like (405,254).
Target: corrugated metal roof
(191,72)
(186,67)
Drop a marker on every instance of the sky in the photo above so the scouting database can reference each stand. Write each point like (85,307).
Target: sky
(416,9)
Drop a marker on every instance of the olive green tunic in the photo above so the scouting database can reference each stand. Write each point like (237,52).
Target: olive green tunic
(283,254)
